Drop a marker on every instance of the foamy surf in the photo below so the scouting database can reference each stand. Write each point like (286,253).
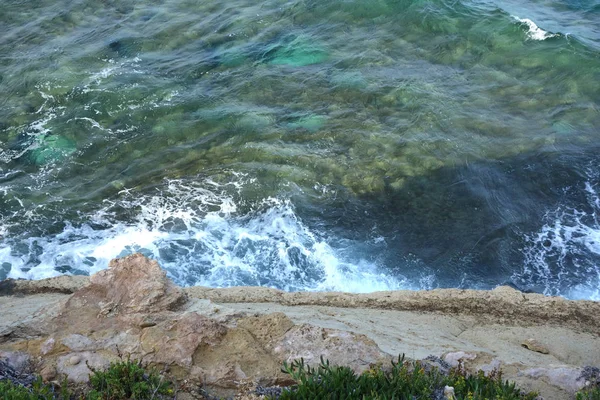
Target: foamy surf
(534,32)
(563,257)
(198,235)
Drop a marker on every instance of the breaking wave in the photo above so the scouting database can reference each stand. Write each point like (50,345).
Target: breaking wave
(563,257)
(198,234)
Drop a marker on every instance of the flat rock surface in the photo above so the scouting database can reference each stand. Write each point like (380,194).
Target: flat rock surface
(222,336)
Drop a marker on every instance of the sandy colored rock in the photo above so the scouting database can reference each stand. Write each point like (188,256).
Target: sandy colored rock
(222,337)
(503,304)
(267,328)
(534,345)
(454,358)
(79,372)
(74,360)
(227,375)
(241,348)
(174,342)
(48,373)
(565,377)
(47,346)
(133,284)
(60,284)
(339,347)
(77,342)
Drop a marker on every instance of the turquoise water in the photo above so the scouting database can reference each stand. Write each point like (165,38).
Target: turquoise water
(304,145)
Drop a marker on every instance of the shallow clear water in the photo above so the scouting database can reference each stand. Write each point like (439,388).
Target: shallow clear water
(305,145)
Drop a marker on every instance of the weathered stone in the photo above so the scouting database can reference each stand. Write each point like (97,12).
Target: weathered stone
(494,365)
(534,345)
(503,304)
(132,308)
(74,360)
(131,289)
(241,347)
(47,346)
(175,341)
(267,328)
(17,360)
(136,284)
(48,373)
(565,377)
(449,393)
(60,284)
(339,347)
(227,375)
(80,372)
(78,342)
(455,357)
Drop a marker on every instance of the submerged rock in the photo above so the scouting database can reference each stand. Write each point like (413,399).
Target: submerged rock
(311,123)
(298,53)
(52,148)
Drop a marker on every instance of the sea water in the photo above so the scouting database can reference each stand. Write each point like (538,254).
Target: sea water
(304,145)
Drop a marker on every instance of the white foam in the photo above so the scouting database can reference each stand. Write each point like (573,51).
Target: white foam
(534,32)
(562,257)
(199,236)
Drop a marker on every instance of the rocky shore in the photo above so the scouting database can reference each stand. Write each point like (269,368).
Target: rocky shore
(225,341)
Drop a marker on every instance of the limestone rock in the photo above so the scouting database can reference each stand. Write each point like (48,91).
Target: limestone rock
(174,342)
(48,373)
(47,346)
(534,345)
(240,347)
(449,393)
(16,360)
(227,375)
(131,289)
(79,372)
(61,284)
(267,328)
(136,284)
(74,360)
(567,378)
(339,347)
(454,357)
(77,342)
(494,365)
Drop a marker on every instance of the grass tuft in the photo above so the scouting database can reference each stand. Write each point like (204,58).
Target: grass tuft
(37,391)
(589,394)
(127,379)
(405,380)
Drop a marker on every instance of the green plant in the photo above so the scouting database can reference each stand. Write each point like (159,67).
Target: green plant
(405,380)
(481,386)
(127,379)
(589,394)
(37,391)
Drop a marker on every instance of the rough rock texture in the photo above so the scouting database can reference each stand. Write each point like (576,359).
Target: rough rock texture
(174,341)
(339,347)
(133,284)
(566,377)
(222,339)
(132,308)
(535,345)
(60,284)
(75,365)
(501,304)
